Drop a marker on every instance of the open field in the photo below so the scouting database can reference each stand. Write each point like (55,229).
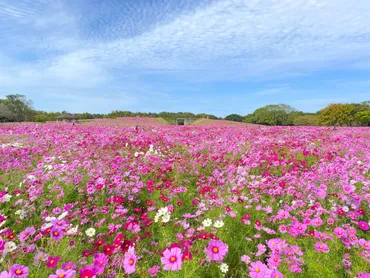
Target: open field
(103,200)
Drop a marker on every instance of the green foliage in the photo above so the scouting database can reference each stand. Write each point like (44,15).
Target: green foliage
(5,114)
(234,117)
(306,120)
(338,114)
(274,114)
(363,117)
(19,106)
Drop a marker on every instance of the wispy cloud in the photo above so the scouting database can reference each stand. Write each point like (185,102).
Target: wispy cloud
(122,45)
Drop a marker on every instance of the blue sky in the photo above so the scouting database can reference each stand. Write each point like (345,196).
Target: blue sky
(219,57)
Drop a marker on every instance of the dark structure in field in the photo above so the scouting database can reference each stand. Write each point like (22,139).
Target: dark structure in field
(184,121)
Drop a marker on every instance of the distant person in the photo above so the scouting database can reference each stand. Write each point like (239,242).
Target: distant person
(335,128)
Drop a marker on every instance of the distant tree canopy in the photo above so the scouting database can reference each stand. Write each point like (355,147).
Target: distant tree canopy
(338,114)
(306,120)
(363,117)
(16,107)
(234,117)
(19,107)
(5,113)
(274,114)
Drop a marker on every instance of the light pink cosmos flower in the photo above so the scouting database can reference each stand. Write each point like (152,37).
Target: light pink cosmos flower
(63,273)
(365,244)
(274,261)
(245,259)
(258,270)
(172,259)
(153,271)
(276,274)
(5,274)
(129,262)
(216,250)
(339,232)
(322,247)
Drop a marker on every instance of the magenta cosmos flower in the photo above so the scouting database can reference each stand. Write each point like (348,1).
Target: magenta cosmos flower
(216,250)
(258,270)
(363,225)
(321,247)
(19,271)
(129,262)
(172,259)
(52,262)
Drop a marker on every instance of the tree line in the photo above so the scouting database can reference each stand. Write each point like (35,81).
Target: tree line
(336,114)
(17,108)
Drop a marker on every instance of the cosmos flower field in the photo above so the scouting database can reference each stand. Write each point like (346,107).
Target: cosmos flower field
(106,200)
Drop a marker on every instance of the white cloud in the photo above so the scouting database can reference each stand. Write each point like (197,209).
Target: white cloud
(75,46)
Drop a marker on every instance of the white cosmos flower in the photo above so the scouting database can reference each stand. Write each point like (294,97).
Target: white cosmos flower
(64,214)
(162,211)
(224,268)
(7,197)
(166,218)
(9,246)
(207,222)
(218,223)
(72,231)
(156,217)
(90,232)
(49,218)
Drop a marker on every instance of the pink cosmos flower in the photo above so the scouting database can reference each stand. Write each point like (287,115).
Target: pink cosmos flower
(100,261)
(261,249)
(63,273)
(363,225)
(19,271)
(153,271)
(52,262)
(56,233)
(257,270)
(321,247)
(216,250)
(339,232)
(129,263)
(276,274)
(365,244)
(245,259)
(172,259)
(88,272)
(5,274)
(274,261)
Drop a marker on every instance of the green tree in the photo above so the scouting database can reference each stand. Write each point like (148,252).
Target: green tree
(234,117)
(5,114)
(338,114)
(363,117)
(306,120)
(274,114)
(20,107)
